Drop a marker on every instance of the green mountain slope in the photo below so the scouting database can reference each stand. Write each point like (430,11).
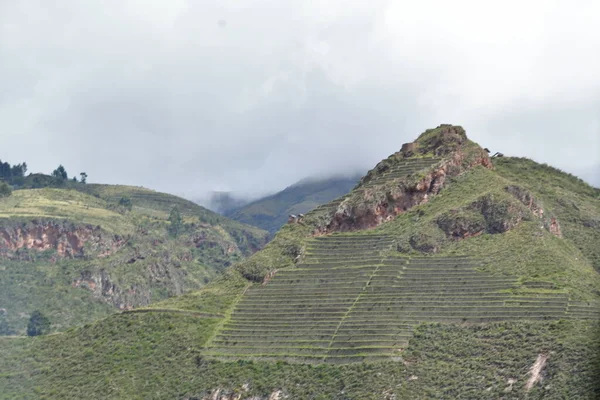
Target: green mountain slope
(271,212)
(76,255)
(442,274)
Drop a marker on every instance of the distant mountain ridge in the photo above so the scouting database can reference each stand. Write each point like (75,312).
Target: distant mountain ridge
(271,212)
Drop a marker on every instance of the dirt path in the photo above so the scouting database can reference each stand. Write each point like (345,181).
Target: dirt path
(536,370)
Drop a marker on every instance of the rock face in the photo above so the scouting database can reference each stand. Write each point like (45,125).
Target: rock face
(379,199)
(103,287)
(524,196)
(158,272)
(443,140)
(68,240)
(408,149)
(376,205)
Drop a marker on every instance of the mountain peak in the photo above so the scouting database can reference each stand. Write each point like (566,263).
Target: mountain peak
(405,179)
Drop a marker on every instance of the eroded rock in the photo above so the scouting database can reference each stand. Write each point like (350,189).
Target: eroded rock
(68,240)
(374,206)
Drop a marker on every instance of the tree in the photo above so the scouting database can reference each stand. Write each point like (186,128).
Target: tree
(126,203)
(38,324)
(5,329)
(18,171)
(5,171)
(176,222)
(83,177)
(5,190)
(60,173)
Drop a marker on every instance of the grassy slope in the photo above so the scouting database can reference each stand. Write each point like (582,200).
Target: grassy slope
(574,202)
(165,266)
(443,360)
(158,355)
(271,213)
(149,202)
(63,204)
(528,251)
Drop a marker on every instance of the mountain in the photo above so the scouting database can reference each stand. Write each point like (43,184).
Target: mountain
(271,213)
(82,253)
(443,274)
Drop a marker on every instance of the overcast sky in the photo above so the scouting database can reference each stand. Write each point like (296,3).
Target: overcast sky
(193,96)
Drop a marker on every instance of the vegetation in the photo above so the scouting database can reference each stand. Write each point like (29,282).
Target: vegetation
(572,201)
(126,203)
(5,328)
(38,324)
(15,176)
(5,190)
(60,173)
(130,260)
(454,298)
(159,355)
(175,222)
(12,174)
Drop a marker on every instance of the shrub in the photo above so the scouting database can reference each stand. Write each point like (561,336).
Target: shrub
(5,328)
(428,240)
(5,190)
(176,222)
(126,203)
(38,324)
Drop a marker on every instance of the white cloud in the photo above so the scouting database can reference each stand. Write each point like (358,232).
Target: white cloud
(190,96)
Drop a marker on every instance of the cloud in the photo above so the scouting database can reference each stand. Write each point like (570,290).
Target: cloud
(189,97)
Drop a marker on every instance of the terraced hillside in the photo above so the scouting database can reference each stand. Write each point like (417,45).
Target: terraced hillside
(470,278)
(352,299)
(399,170)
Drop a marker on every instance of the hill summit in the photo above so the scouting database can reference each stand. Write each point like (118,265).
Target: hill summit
(444,273)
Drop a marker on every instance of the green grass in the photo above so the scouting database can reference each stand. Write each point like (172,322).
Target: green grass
(159,205)
(147,356)
(126,356)
(575,203)
(25,205)
(526,251)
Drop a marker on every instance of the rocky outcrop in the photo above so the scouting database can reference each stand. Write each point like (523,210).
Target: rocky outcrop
(103,287)
(370,205)
(240,394)
(524,196)
(161,271)
(409,149)
(443,140)
(202,240)
(66,239)
(496,213)
(500,214)
(374,206)
(462,224)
